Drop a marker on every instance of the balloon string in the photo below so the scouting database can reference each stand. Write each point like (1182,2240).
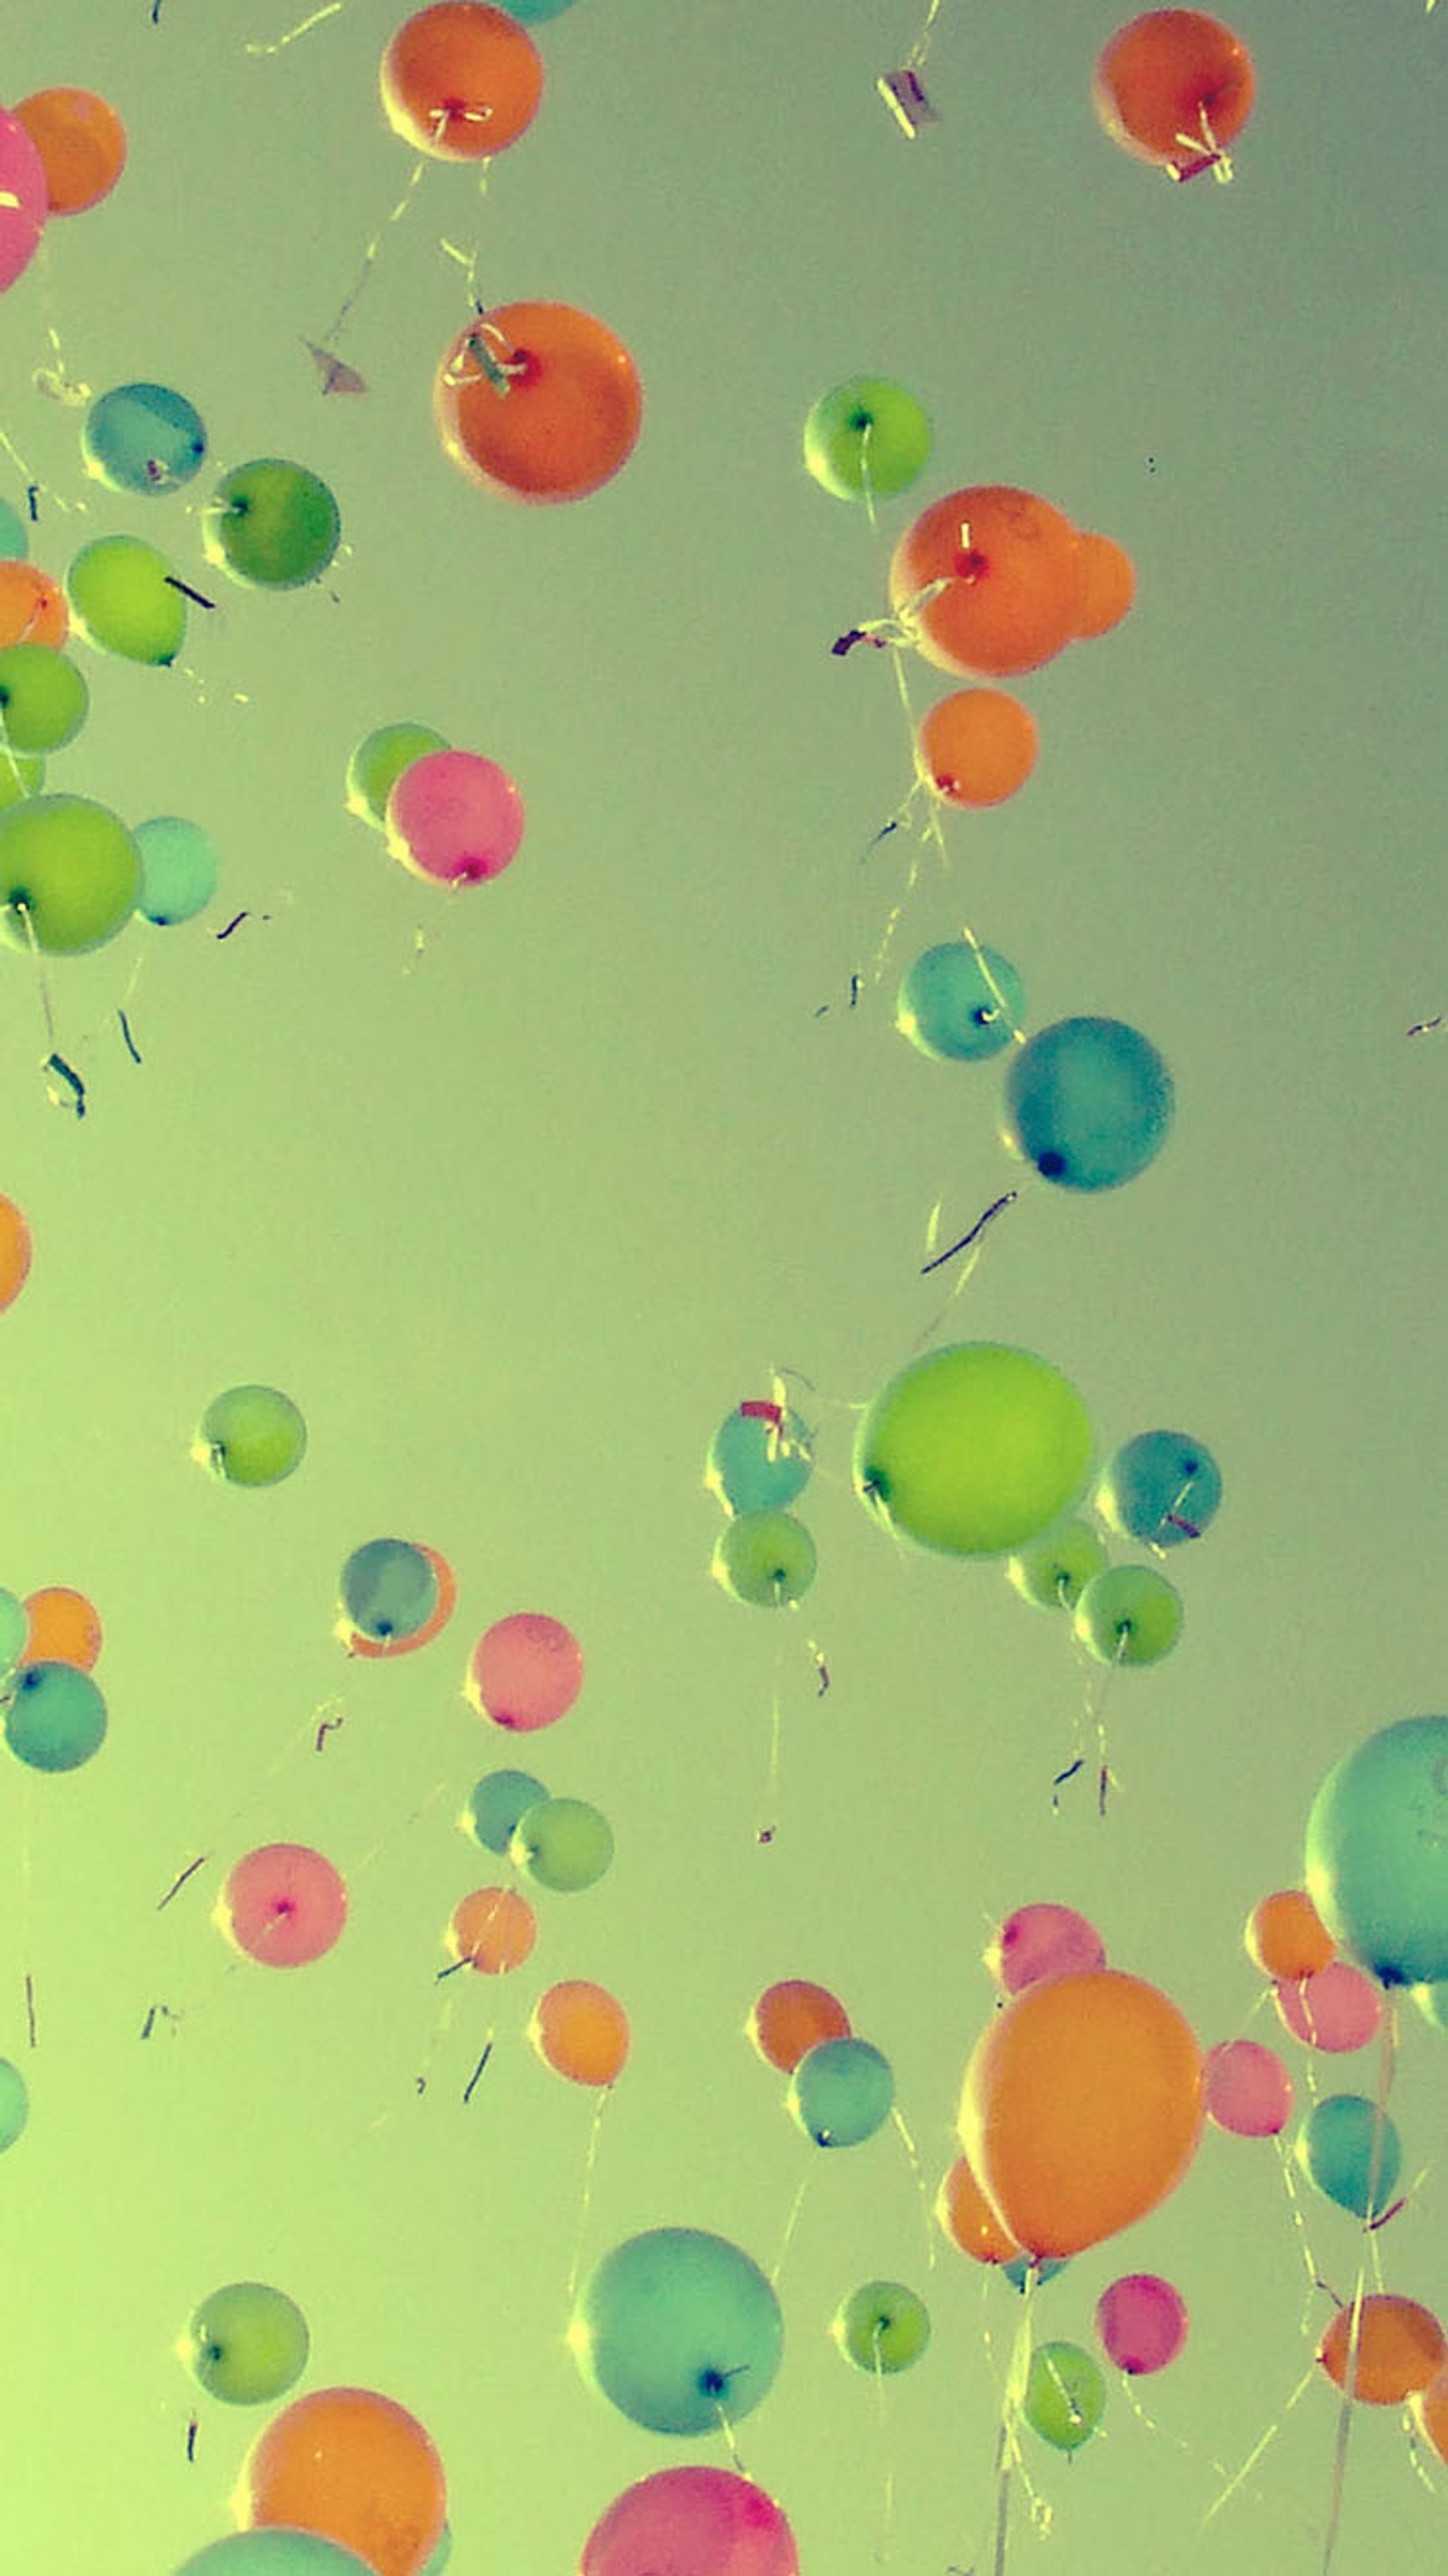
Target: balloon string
(1387,2052)
(788,2237)
(1258,2449)
(882,2418)
(333,9)
(370,257)
(934,831)
(586,2201)
(1013,2397)
(917,2175)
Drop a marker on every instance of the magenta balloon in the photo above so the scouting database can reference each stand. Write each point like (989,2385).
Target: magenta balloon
(525,1672)
(24,199)
(1337,2009)
(1043,1941)
(454,817)
(1247,2088)
(691,2522)
(284,1905)
(1141,2323)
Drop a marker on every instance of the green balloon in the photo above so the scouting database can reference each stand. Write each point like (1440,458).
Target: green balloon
(882,2327)
(1065,2393)
(70,874)
(271,525)
(764,1558)
(22,773)
(276,2553)
(973,1449)
(123,600)
(14,2103)
(379,761)
(55,1717)
(562,1843)
(1055,1567)
(247,2343)
(867,436)
(1129,1615)
(252,1435)
(43,698)
(1377,1853)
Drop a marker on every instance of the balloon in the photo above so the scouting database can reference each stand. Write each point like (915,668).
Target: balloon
(81,142)
(1021,2268)
(1043,1941)
(14,537)
(841,2092)
(454,817)
(1401,2349)
(1081,2108)
(1172,88)
(275,2553)
(441,2555)
(1430,2412)
(1348,2155)
(793,2016)
(1065,2394)
(972,1449)
(1141,2323)
(1011,581)
(14,1633)
(61,1627)
(960,1003)
(271,525)
(493,1929)
(33,607)
(142,438)
(14,2103)
(1089,1102)
(563,1843)
(1129,1614)
(581,2031)
(14,1253)
(531,13)
(496,1806)
(1337,2009)
(691,2522)
(759,1459)
(354,2466)
(1286,1937)
(539,401)
(283,1905)
(1377,1851)
(461,81)
(867,439)
(1247,2088)
(55,1717)
(380,1649)
(964,2214)
(389,1589)
(43,698)
(1054,1570)
(22,774)
(378,762)
(247,2343)
(24,203)
(70,873)
(1163,1487)
(679,2330)
(1106,584)
(882,2327)
(764,1558)
(179,868)
(526,1672)
(976,747)
(252,1435)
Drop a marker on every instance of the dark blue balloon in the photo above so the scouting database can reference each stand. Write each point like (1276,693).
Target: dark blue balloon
(143,438)
(1089,1102)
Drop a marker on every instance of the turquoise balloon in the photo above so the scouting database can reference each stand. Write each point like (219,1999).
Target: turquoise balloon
(1377,1852)
(1018,2270)
(14,1629)
(389,1589)
(1088,1102)
(441,2554)
(275,2553)
(142,438)
(532,13)
(562,1843)
(55,1717)
(1334,2148)
(960,1004)
(866,438)
(14,535)
(678,2329)
(756,1464)
(14,2103)
(841,2092)
(497,1806)
(179,868)
(1163,1487)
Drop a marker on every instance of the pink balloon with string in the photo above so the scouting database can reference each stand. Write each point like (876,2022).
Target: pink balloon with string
(1247,2089)
(691,2522)
(24,199)
(284,1905)
(1336,2010)
(1141,2323)
(454,817)
(1043,1941)
(525,1672)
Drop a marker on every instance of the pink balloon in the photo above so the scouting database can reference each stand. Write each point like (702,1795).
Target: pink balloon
(1337,2009)
(24,199)
(691,2522)
(1141,2323)
(526,1672)
(454,817)
(1248,2089)
(1043,1941)
(284,1905)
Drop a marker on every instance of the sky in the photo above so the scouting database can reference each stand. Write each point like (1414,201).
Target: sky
(518,1191)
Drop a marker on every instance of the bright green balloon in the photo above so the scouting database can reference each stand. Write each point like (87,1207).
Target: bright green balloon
(973,1449)
(764,1558)
(43,698)
(22,773)
(123,600)
(14,2103)
(55,1717)
(379,761)
(1054,1568)
(562,1843)
(1065,2393)
(678,2329)
(271,525)
(247,2343)
(275,2553)
(882,2327)
(252,1435)
(1130,1614)
(1377,1853)
(70,874)
(866,436)
(14,1629)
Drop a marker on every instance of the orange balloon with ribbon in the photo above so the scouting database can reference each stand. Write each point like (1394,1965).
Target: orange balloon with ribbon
(965,2215)
(461,81)
(976,747)
(493,1929)
(1286,1937)
(539,401)
(1174,87)
(988,581)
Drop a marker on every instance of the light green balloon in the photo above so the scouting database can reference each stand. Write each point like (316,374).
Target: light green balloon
(562,1843)
(1129,1615)
(247,2343)
(973,1449)
(70,874)
(123,601)
(22,773)
(14,1629)
(1065,2395)
(275,2553)
(271,525)
(764,1558)
(866,436)
(882,2327)
(379,761)
(14,2103)
(179,869)
(43,698)
(252,1435)
(441,2554)
(1053,1569)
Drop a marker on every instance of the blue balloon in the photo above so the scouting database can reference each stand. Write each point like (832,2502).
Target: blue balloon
(678,2329)
(1335,2150)
(841,2092)
(389,1589)
(497,1806)
(758,1464)
(1018,2270)
(1089,1102)
(14,535)
(179,869)
(1377,1852)
(143,438)
(961,1002)
(55,1717)
(14,2103)
(1163,1486)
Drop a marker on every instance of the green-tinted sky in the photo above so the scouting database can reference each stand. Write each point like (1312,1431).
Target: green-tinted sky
(519,1213)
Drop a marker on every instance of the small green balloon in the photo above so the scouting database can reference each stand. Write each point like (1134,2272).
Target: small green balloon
(43,698)
(247,2343)
(866,437)
(882,2327)
(123,600)
(764,1558)
(70,874)
(562,1843)
(1065,2394)
(1130,1614)
(22,773)
(55,1717)
(973,1449)
(14,2103)
(252,1435)
(271,525)
(1053,1569)
(379,761)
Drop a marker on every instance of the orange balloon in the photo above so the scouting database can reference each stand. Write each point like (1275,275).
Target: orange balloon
(81,143)
(379,1648)
(64,1628)
(793,2017)
(1082,2108)
(355,2467)
(581,2031)
(1401,2349)
(1008,561)
(33,607)
(538,400)
(493,1929)
(965,2215)
(1286,1937)
(14,1253)
(976,747)
(461,81)
(1107,584)
(1430,2412)
(1172,86)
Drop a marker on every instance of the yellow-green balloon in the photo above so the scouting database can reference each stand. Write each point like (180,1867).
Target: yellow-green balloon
(866,436)
(882,2326)
(1052,1570)
(271,525)
(70,874)
(252,1435)
(22,773)
(247,2343)
(1129,1614)
(562,1843)
(764,1558)
(379,761)
(123,600)
(1065,2394)
(973,1449)
(43,698)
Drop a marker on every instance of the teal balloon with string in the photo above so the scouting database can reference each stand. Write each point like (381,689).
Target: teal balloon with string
(54,1717)
(1347,2157)
(759,1459)
(680,2330)
(1089,1102)
(497,1806)
(1377,1853)
(179,869)
(960,1004)
(841,2092)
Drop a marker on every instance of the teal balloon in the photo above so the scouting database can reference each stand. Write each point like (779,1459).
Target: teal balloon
(756,1464)
(678,2329)
(14,1629)
(1163,1486)
(532,13)
(960,1003)
(841,2092)
(1334,2148)
(1088,1102)
(1065,2395)
(441,2555)
(179,869)
(867,438)
(55,1717)
(497,1805)
(275,2552)
(14,535)
(389,1589)
(142,438)
(14,2103)
(766,1559)
(1377,1852)
(562,1843)
(1018,2270)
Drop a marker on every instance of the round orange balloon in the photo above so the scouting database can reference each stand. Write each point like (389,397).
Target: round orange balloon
(1286,1937)
(1430,2413)
(493,1929)
(538,400)
(976,747)
(14,1253)
(355,2467)
(581,2031)
(461,81)
(81,143)
(33,607)
(1172,85)
(380,1648)
(965,2215)
(791,2018)
(1401,2349)
(1107,584)
(64,1628)
(1011,581)
(1082,2108)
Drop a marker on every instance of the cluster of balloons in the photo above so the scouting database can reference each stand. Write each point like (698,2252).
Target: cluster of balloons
(61,152)
(1174,88)
(1160,1489)
(52,1711)
(759,1462)
(452,817)
(841,2090)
